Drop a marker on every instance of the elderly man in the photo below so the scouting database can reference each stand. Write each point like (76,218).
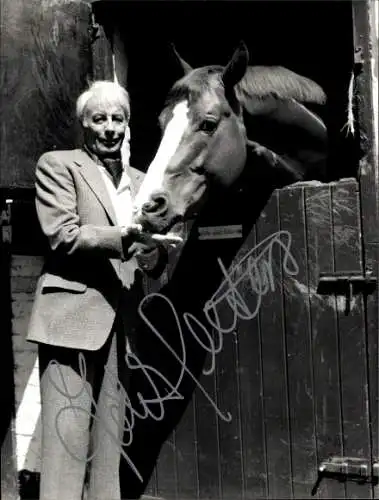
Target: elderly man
(85,298)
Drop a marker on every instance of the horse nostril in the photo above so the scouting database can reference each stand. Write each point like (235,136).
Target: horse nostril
(157,205)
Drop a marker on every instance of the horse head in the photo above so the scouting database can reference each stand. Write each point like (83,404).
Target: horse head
(203,144)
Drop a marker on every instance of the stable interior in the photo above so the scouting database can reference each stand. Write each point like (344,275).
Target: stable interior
(312,38)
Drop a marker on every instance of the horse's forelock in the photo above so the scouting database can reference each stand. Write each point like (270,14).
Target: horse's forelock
(193,85)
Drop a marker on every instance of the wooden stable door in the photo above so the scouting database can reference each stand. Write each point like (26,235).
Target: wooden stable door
(294,377)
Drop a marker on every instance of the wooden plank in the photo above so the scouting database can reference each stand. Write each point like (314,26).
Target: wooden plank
(366,46)
(326,376)
(372,329)
(250,384)
(207,431)
(167,481)
(151,488)
(299,343)
(275,382)
(186,455)
(228,399)
(352,333)
(365,28)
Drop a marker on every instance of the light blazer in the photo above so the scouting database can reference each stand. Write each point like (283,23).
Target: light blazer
(80,287)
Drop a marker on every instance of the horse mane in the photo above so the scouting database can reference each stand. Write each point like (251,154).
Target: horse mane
(260,81)
(279,116)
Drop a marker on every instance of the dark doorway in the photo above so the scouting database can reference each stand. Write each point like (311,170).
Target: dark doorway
(312,38)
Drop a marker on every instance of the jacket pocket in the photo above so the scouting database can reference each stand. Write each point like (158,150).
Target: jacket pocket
(51,282)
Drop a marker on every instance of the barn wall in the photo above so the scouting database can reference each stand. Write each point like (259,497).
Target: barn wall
(45,61)
(375,63)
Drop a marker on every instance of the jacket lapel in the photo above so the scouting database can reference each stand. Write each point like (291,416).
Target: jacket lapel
(92,175)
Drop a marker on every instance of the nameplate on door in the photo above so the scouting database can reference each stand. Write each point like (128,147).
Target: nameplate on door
(220,232)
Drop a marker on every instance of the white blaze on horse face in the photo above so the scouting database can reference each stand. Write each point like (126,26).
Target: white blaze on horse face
(172,136)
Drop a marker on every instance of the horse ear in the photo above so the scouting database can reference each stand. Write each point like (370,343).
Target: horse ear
(185,66)
(236,68)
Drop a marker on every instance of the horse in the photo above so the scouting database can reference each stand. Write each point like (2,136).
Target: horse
(217,123)
(230,136)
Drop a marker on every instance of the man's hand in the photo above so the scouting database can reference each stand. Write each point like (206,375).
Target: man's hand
(134,240)
(148,248)
(134,237)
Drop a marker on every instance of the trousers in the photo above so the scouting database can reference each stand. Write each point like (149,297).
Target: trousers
(82,412)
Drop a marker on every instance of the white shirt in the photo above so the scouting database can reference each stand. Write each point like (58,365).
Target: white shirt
(121,198)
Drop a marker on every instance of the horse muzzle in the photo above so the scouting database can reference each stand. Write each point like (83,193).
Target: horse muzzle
(157,215)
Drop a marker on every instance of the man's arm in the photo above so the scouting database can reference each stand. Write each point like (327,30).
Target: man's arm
(56,206)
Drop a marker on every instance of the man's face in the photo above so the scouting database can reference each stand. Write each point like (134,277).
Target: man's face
(105,125)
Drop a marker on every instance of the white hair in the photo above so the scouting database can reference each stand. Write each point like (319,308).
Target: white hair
(107,90)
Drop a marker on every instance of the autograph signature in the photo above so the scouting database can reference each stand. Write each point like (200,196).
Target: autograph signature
(254,269)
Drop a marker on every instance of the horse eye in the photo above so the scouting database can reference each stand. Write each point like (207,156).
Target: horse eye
(208,126)
(200,169)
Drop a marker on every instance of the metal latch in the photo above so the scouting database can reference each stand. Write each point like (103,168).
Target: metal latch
(344,469)
(347,284)
(358,58)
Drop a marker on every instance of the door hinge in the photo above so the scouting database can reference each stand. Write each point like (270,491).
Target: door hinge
(346,284)
(343,469)
(5,222)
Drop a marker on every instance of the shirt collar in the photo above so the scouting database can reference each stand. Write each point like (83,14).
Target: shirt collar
(96,159)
